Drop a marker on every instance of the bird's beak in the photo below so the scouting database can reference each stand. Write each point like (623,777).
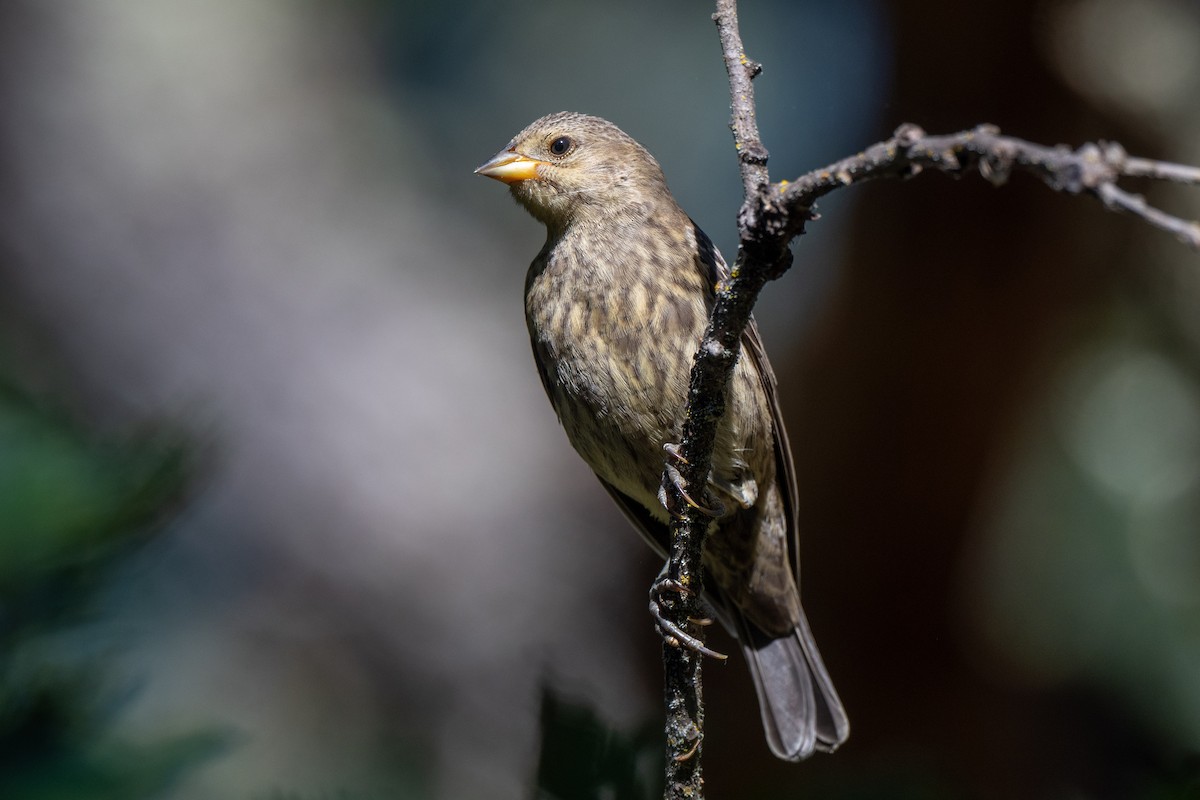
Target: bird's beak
(510,167)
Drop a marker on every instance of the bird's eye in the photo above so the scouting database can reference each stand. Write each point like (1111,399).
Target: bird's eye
(560,146)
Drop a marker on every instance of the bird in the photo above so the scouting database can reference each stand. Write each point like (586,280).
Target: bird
(616,303)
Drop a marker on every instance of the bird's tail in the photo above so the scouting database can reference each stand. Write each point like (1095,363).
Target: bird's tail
(800,709)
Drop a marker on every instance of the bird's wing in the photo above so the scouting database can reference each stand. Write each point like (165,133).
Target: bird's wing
(785,468)
(752,347)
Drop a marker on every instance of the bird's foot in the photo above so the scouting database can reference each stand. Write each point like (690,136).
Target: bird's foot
(671,633)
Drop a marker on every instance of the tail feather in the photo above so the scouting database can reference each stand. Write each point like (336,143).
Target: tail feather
(801,711)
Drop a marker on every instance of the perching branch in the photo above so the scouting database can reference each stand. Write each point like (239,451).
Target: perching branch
(772,215)
(706,404)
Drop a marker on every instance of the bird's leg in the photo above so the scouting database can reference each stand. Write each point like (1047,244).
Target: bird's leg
(715,511)
(664,584)
(671,633)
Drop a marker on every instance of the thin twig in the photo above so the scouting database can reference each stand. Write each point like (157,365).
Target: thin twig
(752,154)
(1091,169)
(1160,170)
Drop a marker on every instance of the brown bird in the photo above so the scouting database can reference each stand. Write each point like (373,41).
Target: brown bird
(617,302)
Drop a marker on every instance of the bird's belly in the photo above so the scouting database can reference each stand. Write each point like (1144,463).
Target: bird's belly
(616,364)
(619,406)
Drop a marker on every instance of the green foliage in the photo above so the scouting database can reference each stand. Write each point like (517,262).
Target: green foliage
(584,759)
(70,508)
(69,505)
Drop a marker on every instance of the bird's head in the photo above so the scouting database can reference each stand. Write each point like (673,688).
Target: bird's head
(569,167)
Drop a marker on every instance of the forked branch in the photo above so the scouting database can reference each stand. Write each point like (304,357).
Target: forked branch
(771,216)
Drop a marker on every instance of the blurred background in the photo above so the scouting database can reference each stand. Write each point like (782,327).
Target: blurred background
(285,514)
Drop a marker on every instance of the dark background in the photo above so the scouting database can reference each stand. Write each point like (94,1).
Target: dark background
(254,225)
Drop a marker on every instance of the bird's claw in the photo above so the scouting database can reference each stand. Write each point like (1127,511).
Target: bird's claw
(675,452)
(691,752)
(715,511)
(671,633)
